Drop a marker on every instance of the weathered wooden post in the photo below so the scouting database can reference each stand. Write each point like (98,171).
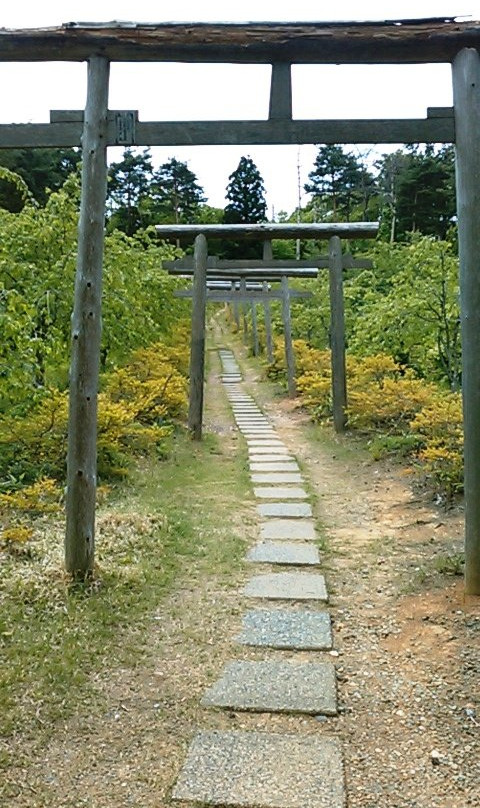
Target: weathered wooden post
(268,325)
(86,329)
(287,332)
(197,348)
(466,97)
(236,310)
(268,256)
(243,290)
(337,335)
(256,346)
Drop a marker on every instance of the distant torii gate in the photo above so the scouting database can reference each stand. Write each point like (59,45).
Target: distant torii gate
(436,40)
(266,232)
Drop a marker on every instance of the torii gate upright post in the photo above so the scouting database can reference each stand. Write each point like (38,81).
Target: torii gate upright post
(466,97)
(287,334)
(197,348)
(256,345)
(268,256)
(236,311)
(268,326)
(337,335)
(86,329)
(243,288)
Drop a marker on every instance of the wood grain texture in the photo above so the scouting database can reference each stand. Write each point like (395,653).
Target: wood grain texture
(86,331)
(466,93)
(434,40)
(337,336)
(197,347)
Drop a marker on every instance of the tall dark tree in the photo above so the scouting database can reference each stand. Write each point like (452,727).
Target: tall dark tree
(129,184)
(176,194)
(245,194)
(338,181)
(246,205)
(41,169)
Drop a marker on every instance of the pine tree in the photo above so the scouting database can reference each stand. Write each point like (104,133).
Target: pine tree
(245,194)
(129,183)
(338,180)
(176,194)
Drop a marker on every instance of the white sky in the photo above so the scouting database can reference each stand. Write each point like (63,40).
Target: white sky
(203,92)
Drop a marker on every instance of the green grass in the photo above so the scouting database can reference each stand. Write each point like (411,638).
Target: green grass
(172,520)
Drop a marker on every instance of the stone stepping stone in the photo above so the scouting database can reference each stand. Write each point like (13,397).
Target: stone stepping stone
(262,769)
(265,443)
(294,510)
(271,458)
(287,586)
(288,530)
(279,492)
(275,687)
(276,477)
(255,423)
(283,553)
(278,465)
(278,449)
(300,631)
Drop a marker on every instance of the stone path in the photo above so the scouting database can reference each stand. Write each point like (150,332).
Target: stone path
(260,769)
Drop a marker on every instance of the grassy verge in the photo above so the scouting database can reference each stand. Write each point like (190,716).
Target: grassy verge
(172,520)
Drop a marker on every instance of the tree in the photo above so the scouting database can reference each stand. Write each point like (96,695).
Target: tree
(176,194)
(418,191)
(129,185)
(246,205)
(338,181)
(245,194)
(42,170)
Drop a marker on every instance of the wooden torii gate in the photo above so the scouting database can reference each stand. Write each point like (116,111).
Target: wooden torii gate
(253,294)
(280,270)
(280,45)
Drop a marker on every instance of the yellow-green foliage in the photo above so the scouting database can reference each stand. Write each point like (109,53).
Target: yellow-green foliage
(388,400)
(136,413)
(381,394)
(440,425)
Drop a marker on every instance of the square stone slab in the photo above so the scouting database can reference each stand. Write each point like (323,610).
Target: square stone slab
(275,448)
(279,492)
(276,477)
(283,552)
(271,458)
(301,631)
(288,530)
(262,769)
(265,442)
(275,687)
(278,465)
(295,510)
(287,586)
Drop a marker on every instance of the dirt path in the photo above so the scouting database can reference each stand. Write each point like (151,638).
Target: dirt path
(406,646)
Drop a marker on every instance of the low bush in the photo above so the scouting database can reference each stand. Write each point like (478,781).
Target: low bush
(137,412)
(401,414)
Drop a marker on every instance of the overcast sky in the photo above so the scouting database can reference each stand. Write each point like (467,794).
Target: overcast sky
(209,92)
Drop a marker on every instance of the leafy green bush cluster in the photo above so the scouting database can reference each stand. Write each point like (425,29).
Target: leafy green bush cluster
(37,267)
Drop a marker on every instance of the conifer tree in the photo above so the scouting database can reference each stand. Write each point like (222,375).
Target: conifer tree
(245,194)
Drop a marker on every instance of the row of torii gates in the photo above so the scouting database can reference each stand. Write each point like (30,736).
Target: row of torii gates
(279,45)
(208,272)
